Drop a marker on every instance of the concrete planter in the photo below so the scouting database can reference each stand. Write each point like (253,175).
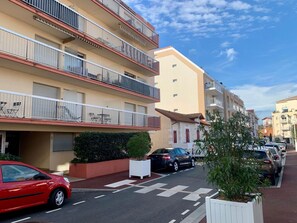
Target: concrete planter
(89,170)
(139,168)
(218,211)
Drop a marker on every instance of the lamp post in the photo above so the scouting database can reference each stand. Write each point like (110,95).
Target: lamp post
(294,122)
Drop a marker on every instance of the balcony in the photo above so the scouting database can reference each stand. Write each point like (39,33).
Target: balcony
(40,53)
(125,13)
(214,103)
(213,88)
(90,32)
(24,108)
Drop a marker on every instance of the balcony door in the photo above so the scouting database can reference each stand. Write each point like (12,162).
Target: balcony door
(2,142)
(74,64)
(45,54)
(130,117)
(44,107)
(72,111)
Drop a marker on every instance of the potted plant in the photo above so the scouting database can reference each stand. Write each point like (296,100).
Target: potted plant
(137,148)
(238,198)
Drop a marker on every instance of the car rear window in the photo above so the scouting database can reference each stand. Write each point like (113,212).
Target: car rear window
(161,151)
(255,154)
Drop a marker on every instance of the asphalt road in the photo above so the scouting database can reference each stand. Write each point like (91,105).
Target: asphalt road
(169,199)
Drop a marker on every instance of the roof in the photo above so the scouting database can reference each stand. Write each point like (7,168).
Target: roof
(178,117)
(287,99)
(266,118)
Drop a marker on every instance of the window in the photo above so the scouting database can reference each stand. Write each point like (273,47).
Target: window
(198,134)
(174,65)
(13,173)
(174,95)
(175,110)
(74,64)
(63,142)
(174,80)
(174,136)
(187,135)
(130,75)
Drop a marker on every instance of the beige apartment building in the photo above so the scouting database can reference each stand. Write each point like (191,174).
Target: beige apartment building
(187,88)
(71,66)
(253,122)
(284,118)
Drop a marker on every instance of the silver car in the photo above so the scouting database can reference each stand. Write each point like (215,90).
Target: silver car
(277,158)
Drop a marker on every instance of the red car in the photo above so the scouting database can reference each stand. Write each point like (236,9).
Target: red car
(22,186)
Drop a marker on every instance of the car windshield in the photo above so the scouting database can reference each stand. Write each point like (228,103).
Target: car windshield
(255,154)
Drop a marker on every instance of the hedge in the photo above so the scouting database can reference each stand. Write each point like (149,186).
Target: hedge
(93,147)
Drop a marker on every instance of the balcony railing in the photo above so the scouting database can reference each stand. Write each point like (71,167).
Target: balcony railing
(214,102)
(17,105)
(213,86)
(93,30)
(117,8)
(32,50)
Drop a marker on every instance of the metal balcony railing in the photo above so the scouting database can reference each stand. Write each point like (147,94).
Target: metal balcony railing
(214,102)
(17,105)
(32,50)
(93,30)
(129,17)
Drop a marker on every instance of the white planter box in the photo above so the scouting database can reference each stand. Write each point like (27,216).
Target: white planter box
(220,211)
(139,168)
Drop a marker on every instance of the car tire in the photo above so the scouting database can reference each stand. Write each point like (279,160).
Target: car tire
(175,166)
(192,162)
(272,180)
(57,198)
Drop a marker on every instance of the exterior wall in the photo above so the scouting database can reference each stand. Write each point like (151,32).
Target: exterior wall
(35,148)
(179,80)
(232,104)
(163,137)
(181,133)
(282,119)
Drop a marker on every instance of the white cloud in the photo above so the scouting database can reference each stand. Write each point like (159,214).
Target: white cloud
(239,5)
(225,44)
(231,54)
(262,98)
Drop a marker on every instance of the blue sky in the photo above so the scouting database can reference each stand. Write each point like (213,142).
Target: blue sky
(249,45)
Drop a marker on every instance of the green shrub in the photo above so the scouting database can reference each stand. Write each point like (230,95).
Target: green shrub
(139,145)
(95,147)
(225,143)
(7,156)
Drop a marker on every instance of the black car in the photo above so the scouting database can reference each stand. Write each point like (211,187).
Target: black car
(171,158)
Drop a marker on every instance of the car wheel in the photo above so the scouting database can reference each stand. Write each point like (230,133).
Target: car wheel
(272,180)
(192,162)
(57,198)
(175,166)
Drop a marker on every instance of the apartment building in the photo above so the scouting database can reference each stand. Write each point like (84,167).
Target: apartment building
(284,118)
(187,88)
(71,66)
(253,122)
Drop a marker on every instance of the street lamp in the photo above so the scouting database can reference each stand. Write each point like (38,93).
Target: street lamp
(294,122)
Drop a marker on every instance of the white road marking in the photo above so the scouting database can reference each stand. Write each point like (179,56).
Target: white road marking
(196,204)
(24,219)
(116,191)
(195,196)
(172,221)
(120,183)
(185,212)
(150,188)
(48,212)
(172,191)
(99,196)
(79,203)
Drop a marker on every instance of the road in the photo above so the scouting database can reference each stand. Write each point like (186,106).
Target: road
(169,199)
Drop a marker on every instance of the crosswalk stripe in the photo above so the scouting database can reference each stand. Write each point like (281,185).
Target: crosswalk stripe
(195,196)
(120,183)
(172,191)
(150,188)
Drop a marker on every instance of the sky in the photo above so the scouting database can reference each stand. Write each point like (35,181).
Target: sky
(248,45)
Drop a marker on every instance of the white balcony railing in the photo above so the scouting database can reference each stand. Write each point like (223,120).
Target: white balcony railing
(119,9)
(68,16)
(17,105)
(214,102)
(32,50)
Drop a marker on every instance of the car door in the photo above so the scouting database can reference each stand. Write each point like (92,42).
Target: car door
(184,157)
(19,188)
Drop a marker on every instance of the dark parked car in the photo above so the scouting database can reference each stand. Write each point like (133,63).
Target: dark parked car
(22,186)
(267,166)
(171,158)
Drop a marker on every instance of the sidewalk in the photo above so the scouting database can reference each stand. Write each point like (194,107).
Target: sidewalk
(280,204)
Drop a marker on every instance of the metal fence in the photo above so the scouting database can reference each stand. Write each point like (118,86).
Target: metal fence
(17,105)
(90,28)
(32,50)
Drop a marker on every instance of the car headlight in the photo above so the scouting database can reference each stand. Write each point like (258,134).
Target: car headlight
(66,179)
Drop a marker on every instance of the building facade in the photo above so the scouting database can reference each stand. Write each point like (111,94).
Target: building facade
(253,122)
(71,66)
(284,119)
(187,88)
